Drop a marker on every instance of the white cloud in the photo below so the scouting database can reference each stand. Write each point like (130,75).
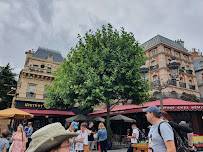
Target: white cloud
(55,24)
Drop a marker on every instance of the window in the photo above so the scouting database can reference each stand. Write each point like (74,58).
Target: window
(190,82)
(167,51)
(153,62)
(42,66)
(155,77)
(187,67)
(153,52)
(201,64)
(31,88)
(34,65)
(50,57)
(168,61)
(49,70)
(181,79)
(176,54)
(185,57)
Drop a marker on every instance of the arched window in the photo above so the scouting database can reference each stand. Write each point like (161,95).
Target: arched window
(153,63)
(174,94)
(155,77)
(153,52)
(157,95)
(50,57)
(167,51)
(190,82)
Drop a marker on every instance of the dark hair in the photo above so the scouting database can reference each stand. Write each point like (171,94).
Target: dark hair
(5,133)
(157,115)
(166,116)
(25,121)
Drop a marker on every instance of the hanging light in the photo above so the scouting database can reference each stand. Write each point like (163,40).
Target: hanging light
(174,67)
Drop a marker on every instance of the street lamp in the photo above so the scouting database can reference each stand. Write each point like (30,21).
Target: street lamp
(174,69)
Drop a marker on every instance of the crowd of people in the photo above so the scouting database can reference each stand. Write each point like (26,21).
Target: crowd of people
(164,135)
(75,138)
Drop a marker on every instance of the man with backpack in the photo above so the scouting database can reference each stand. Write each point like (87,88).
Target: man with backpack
(158,143)
(134,138)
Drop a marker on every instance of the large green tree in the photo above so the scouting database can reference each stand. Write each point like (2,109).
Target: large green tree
(101,68)
(7,80)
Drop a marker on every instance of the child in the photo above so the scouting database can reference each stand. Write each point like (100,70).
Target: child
(4,143)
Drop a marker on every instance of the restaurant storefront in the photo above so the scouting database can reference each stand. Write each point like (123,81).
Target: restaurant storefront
(179,110)
(42,115)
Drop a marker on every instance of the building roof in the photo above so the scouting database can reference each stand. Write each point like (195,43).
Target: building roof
(160,38)
(43,53)
(197,65)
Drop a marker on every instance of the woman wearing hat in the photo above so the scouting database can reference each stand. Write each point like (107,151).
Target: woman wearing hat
(51,138)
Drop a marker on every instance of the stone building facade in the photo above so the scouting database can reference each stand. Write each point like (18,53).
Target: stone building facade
(159,51)
(198,67)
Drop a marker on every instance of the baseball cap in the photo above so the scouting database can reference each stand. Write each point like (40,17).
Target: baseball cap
(74,124)
(153,109)
(183,123)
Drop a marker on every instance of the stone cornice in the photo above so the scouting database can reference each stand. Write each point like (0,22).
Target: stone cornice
(168,46)
(44,60)
(169,56)
(191,75)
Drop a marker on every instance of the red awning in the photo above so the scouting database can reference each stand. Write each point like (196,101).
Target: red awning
(170,104)
(37,112)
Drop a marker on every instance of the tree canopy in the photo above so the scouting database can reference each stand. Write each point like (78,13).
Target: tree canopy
(102,67)
(7,80)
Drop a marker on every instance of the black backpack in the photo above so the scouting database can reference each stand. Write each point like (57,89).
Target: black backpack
(140,138)
(180,146)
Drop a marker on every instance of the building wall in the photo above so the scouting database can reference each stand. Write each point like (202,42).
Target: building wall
(32,75)
(162,57)
(199,76)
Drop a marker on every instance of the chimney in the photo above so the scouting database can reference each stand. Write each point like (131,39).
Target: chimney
(180,42)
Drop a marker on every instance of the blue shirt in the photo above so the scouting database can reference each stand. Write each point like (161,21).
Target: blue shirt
(102,134)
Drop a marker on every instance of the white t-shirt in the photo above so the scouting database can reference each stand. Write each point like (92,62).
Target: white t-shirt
(134,140)
(79,145)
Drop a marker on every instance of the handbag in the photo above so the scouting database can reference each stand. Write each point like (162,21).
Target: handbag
(11,147)
(86,148)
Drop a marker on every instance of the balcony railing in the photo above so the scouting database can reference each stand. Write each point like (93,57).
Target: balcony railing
(30,95)
(182,85)
(189,71)
(155,83)
(192,86)
(39,70)
(154,67)
(172,82)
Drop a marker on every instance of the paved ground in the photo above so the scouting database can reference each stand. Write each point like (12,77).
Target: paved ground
(118,150)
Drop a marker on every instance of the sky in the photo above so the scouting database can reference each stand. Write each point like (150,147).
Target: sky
(55,24)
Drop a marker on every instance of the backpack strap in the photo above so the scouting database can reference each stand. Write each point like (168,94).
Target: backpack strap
(159,131)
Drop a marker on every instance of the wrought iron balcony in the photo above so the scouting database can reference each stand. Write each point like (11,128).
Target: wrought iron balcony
(182,85)
(192,86)
(154,67)
(189,71)
(30,95)
(172,82)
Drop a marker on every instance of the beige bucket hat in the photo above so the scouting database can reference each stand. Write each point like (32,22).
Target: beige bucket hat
(48,137)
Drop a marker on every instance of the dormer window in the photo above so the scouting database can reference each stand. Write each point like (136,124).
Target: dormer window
(167,51)
(50,57)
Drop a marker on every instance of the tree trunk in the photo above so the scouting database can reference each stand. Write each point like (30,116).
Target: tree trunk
(108,121)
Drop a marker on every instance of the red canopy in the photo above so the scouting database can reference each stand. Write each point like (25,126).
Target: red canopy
(170,104)
(37,112)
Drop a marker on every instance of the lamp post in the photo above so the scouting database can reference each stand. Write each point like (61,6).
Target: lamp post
(174,70)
